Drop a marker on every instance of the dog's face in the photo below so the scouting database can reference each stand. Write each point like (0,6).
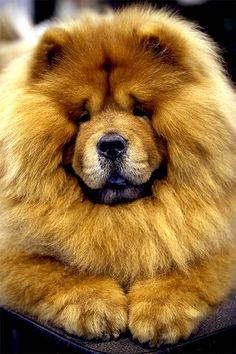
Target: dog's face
(115,153)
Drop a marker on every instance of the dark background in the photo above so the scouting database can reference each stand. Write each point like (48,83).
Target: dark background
(216,17)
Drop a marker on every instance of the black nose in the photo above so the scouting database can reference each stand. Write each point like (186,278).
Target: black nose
(111,146)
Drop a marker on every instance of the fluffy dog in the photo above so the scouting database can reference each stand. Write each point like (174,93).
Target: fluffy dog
(118,186)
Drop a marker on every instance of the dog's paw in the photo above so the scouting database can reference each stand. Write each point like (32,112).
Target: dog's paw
(163,314)
(94,309)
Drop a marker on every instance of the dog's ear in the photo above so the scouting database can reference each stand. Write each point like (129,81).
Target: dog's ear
(49,51)
(162,40)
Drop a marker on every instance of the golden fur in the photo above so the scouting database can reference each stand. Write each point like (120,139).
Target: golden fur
(157,264)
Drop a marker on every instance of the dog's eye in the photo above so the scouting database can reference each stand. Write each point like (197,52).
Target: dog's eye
(84,117)
(140,112)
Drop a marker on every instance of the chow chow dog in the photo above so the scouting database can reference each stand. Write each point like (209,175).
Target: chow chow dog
(118,184)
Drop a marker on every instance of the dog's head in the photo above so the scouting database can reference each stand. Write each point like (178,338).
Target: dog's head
(116,104)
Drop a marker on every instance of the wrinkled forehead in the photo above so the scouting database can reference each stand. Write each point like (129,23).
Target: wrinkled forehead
(111,73)
(104,80)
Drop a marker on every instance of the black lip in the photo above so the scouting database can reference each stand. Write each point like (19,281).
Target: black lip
(117,181)
(118,190)
(116,194)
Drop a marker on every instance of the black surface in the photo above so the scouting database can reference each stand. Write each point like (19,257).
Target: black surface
(19,334)
(43,9)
